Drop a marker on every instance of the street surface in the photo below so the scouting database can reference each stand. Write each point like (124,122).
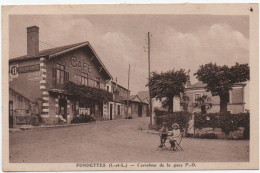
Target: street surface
(116,141)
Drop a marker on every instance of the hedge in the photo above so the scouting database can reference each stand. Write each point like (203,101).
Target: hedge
(227,122)
(180,118)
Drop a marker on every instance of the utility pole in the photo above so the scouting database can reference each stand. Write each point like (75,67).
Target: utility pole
(149,75)
(128,91)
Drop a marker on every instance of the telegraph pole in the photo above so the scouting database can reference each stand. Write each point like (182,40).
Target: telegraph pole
(149,75)
(128,90)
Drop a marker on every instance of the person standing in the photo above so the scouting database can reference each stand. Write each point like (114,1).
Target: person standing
(190,130)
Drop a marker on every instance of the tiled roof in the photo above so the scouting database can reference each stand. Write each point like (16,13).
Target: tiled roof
(61,50)
(143,95)
(47,52)
(198,85)
(19,93)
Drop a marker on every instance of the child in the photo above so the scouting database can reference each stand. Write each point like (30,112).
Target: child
(163,134)
(176,134)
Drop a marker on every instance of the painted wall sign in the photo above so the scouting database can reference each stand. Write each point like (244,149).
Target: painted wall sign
(30,68)
(74,62)
(13,71)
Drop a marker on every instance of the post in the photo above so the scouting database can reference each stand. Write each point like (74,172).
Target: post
(128,91)
(149,76)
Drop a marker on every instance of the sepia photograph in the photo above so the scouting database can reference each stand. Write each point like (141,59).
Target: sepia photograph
(131,90)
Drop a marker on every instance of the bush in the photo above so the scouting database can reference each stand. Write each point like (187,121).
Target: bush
(207,136)
(227,122)
(180,118)
(83,119)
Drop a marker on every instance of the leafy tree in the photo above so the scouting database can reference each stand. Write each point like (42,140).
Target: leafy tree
(166,85)
(203,103)
(221,79)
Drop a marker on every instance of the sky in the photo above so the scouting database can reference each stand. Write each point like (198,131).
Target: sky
(178,41)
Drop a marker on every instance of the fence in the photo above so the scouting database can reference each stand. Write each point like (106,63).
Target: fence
(22,117)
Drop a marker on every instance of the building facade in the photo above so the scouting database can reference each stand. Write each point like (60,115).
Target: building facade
(236,102)
(137,107)
(68,81)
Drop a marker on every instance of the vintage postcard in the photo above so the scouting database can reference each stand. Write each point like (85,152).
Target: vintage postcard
(130,87)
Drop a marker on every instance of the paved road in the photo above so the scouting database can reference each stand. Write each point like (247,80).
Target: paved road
(116,141)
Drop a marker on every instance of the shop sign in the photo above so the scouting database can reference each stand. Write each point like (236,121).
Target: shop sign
(74,62)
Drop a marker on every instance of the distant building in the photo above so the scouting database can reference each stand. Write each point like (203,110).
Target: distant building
(137,107)
(236,103)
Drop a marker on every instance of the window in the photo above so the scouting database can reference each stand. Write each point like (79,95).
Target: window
(77,79)
(89,69)
(107,88)
(81,80)
(11,111)
(84,79)
(60,75)
(97,82)
(118,109)
(197,96)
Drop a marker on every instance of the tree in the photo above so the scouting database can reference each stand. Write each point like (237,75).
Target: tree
(168,85)
(203,103)
(221,79)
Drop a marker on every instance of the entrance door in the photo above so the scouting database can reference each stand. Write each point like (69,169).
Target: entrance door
(63,108)
(111,111)
(140,110)
(11,112)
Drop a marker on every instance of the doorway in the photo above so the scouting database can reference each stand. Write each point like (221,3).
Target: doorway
(11,112)
(63,108)
(111,111)
(140,110)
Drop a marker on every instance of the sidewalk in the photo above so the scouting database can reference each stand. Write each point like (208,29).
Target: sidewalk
(44,127)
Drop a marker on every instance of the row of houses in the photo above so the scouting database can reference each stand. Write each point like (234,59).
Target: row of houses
(40,79)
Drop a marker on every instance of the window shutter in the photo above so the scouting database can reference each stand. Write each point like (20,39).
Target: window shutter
(54,72)
(66,76)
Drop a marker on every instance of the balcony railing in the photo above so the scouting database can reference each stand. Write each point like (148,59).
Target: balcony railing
(57,84)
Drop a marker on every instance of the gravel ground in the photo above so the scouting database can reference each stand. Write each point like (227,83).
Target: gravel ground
(116,141)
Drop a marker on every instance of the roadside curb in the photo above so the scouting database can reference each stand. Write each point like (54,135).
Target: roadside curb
(151,132)
(35,128)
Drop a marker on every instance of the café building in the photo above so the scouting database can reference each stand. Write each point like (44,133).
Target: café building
(67,81)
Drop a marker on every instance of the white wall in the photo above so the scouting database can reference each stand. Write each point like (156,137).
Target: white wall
(246,95)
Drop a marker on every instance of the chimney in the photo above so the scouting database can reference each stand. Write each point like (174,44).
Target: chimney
(33,40)
(188,84)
